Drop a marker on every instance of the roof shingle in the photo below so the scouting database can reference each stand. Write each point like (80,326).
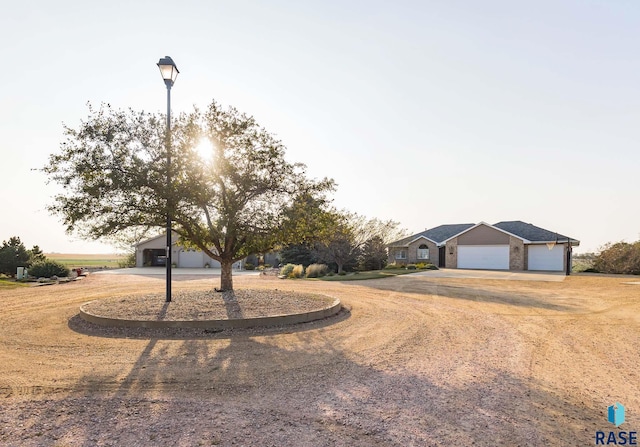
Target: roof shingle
(436,234)
(531,232)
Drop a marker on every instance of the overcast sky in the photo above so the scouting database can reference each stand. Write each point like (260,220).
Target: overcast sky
(425,112)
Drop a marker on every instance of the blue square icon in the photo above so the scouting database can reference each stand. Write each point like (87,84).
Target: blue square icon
(616,414)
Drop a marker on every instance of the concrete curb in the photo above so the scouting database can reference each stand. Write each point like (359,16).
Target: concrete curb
(244,323)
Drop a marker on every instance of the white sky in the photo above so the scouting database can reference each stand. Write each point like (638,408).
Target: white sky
(424,112)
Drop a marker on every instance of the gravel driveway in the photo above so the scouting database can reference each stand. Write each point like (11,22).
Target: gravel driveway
(414,362)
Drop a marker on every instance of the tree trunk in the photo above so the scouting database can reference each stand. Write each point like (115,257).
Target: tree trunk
(226,278)
(339,267)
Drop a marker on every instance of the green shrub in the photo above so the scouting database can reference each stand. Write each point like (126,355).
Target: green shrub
(287,269)
(317,270)
(393,266)
(249,266)
(411,267)
(297,272)
(48,268)
(128,262)
(267,266)
(426,266)
(342,273)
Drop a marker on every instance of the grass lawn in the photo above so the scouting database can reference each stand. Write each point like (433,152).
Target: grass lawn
(10,284)
(85,260)
(373,274)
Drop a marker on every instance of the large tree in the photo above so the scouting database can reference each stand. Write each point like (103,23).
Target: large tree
(113,171)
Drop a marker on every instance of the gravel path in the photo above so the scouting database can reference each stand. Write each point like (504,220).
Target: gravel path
(414,362)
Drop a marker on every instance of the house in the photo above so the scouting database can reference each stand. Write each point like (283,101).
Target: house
(508,245)
(152,253)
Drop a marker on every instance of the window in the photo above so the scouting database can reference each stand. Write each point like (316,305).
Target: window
(423,252)
(401,254)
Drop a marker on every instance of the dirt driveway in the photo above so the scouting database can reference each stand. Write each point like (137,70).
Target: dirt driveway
(416,361)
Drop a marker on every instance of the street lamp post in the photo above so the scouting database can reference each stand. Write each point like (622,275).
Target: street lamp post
(169,73)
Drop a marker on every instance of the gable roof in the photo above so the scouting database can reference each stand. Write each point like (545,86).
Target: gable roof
(533,233)
(489,226)
(173,238)
(436,234)
(527,232)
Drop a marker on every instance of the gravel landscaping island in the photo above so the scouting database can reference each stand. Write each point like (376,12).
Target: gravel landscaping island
(209,305)
(211,309)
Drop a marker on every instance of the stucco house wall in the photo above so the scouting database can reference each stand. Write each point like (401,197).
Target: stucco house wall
(483,235)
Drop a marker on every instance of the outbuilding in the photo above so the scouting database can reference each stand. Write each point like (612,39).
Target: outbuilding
(153,253)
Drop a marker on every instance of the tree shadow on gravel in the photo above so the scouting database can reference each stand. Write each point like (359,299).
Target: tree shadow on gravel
(234,311)
(470,293)
(301,390)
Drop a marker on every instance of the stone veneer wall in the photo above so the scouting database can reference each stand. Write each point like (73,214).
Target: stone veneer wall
(516,253)
(451,259)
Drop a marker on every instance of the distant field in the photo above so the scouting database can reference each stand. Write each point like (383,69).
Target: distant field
(84,260)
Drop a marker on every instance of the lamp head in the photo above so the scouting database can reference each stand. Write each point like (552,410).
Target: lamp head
(168,70)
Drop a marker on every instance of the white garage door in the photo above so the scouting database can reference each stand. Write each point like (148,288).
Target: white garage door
(541,258)
(487,257)
(191,259)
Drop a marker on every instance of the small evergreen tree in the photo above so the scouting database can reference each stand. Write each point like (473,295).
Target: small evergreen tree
(298,254)
(374,254)
(36,255)
(49,268)
(13,254)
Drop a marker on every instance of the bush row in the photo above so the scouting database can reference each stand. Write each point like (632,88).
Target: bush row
(48,268)
(250,266)
(418,266)
(298,271)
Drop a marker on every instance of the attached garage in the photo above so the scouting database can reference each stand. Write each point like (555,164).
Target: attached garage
(485,257)
(541,258)
(191,259)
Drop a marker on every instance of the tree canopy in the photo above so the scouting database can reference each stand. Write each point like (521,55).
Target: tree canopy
(341,239)
(356,238)
(113,171)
